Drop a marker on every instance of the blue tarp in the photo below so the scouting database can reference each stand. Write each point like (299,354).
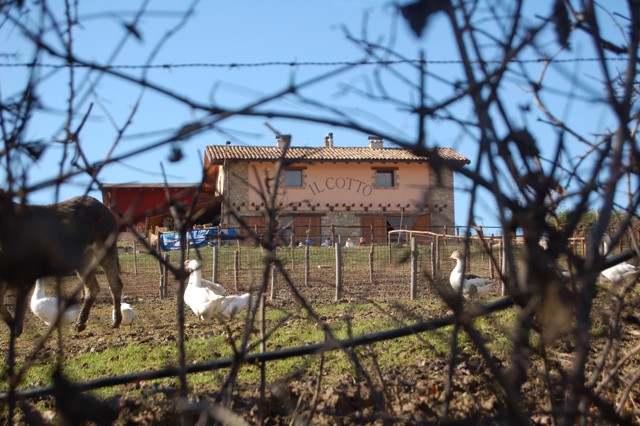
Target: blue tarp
(197,238)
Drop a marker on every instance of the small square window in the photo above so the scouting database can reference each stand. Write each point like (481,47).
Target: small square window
(385,179)
(293,178)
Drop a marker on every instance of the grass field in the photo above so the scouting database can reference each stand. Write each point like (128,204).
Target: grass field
(151,343)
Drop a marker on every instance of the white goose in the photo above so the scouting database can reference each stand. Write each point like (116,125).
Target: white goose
(472,285)
(46,307)
(207,299)
(215,287)
(128,314)
(239,303)
(619,272)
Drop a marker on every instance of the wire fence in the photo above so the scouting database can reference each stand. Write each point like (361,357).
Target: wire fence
(322,275)
(378,272)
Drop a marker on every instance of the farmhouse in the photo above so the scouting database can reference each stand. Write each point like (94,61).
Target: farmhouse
(334,191)
(322,191)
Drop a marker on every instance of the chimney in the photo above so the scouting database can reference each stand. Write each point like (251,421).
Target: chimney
(283,141)
(328,141)
(375,142)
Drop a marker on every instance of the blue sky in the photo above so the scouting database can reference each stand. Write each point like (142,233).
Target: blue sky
(258,32)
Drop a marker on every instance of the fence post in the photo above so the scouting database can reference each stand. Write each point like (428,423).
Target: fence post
(274,281)
(163,276)
(161,279)
(432,259)
(236,269)
(492,272)
(492,269)
(293,252)
(135,257)
(338,272)
(306,266)
(436,273)
(262,319)
(215,262)
(371,264)
(414,268)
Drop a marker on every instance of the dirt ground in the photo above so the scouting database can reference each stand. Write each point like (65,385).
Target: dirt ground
(409,394)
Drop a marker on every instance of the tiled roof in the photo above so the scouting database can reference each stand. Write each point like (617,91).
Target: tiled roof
(109,186)
(219,153)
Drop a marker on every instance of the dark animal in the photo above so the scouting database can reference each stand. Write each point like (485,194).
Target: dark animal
(55,240)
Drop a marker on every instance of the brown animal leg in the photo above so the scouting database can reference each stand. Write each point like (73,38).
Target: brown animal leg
(91,290)
(21,307)
(4,312)
(15,329)
(112,271)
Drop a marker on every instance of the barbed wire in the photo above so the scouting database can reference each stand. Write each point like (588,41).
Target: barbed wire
(296,63)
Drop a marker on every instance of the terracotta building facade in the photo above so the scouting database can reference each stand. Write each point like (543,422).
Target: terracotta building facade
(333,191)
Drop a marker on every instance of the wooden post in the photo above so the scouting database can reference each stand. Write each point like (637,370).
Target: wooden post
(444,234)
(293,252)
(236,269)
(338,272)
(306,266)
(414,268)
(215,261)
(274,281)
(161,279)
(372,235)
(432,249)
(492,269)
(163,276)
(371,264)
(436,274)
(135,257)
(262,320)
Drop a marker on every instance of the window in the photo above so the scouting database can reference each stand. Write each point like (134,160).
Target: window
(293,178)
(385,179)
